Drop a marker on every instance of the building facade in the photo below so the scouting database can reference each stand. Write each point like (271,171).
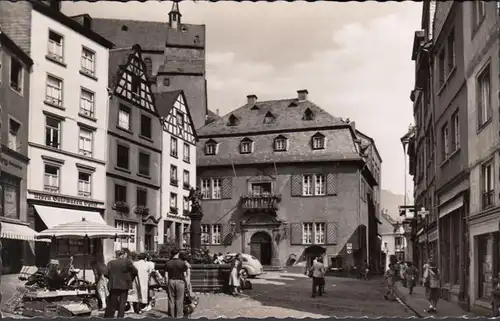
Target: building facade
(178,167)
(134,153)
(174,54)
(284,188)
(67,120)
(15,69)
(393,240)
(481,53)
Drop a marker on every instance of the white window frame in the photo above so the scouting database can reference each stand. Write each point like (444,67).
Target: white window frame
(13,138)
(307,185)
(54,91)
(173,200)
(456,130)
(319,184)
(307,233)
(216,188)
(246,147)
(126,242)
(488,182)
(55,50)
(88,61)
(84,187)
(205,234)
(174,144)
(320,233)
(186,174)
(318,142)
(206,187)
(174,173)
(52,182)
(85,142)
(124,118)
(216,233)
(20,76)
(185,206)
(186,153)
(87,103)
(280,144)
(52,131)
(210,149)
(446,143)
(484,96)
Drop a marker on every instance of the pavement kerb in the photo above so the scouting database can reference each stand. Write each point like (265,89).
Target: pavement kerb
(409,307)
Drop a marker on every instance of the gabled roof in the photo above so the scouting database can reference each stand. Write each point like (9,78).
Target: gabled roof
(371,143)
(151,35)
(70,23)
(165,102)
(15,49)
(287,118)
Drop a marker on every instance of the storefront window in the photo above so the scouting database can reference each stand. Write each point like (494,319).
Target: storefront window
(126,242)
(9,196)
(485,264)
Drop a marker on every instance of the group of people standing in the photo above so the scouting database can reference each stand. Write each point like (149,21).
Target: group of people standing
(407,273)
(128,280)
(317,272)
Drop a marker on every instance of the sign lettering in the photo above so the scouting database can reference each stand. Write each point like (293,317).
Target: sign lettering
(6,162)
(63,199)
(182,218)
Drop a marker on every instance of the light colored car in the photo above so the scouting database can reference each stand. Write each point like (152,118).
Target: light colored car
(251,266)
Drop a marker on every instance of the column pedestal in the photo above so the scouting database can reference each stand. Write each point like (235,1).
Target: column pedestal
(196,230)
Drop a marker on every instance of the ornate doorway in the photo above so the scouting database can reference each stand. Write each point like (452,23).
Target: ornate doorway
(261,246)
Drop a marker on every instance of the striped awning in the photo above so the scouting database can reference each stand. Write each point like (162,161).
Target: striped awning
(80,229)
(19,232)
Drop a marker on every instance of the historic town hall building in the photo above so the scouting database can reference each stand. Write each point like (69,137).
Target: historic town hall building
(282,179)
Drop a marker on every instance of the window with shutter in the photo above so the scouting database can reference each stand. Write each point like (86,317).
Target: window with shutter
(331,184)
(225,232)
(296,233)
(227,187)
(296,185)
(331,233)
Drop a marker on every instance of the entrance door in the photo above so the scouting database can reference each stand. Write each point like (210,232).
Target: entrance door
(261,247)
(148,238)
(261,188)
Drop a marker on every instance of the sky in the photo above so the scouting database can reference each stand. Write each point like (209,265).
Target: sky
(354,59)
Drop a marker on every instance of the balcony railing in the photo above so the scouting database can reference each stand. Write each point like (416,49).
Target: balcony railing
(260,202)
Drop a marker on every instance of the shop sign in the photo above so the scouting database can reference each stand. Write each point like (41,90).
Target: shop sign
(182,218)
(7,162)
(62,199)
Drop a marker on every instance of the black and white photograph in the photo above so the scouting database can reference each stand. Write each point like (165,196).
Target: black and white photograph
(225,159)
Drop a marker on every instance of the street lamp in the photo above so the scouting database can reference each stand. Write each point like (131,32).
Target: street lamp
(405,140)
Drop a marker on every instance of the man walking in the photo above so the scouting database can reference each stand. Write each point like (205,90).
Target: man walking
(318,272)
(120,273)
(176,269)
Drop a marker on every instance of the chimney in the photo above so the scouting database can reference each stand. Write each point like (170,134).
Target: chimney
(55,5)
(302,94)
(217,111)
(251,99)
(353,125)
(87,22)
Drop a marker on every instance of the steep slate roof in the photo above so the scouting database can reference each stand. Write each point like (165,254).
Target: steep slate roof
(165,101)
(149,34)
(117,57)
(286,118)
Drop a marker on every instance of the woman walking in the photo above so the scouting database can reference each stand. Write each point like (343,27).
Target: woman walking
(234,277)
(144,270)
(390,279)
(133,293)
(410,275)
(101,282)
(432,283)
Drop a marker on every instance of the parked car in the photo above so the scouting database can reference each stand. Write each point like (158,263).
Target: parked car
(251,266)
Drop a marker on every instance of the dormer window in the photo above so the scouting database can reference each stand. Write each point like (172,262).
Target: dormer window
(308,115)
(293,104)
(211,147)
(255,107)
(246,145)
(280,144)
(269,118)
(233,120)
(318,141)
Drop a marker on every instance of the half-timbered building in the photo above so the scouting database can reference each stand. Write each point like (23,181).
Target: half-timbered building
(178,166)
(134,153)
(284,180)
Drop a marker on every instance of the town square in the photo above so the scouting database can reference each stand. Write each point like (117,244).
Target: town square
(219,159)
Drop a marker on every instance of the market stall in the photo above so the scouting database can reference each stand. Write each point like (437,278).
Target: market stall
(57,290)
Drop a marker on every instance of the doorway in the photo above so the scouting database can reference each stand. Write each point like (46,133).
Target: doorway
(149,238)
(261,246)
(264,188)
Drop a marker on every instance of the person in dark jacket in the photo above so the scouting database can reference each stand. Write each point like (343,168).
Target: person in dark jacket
(120,273)
(176,269)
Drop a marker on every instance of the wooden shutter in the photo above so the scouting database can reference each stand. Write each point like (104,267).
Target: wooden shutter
(331,184)
(296,185)
(225,234)
(227,188)
(296,233)
(332,233)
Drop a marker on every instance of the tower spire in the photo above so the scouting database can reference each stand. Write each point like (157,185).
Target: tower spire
(175,15)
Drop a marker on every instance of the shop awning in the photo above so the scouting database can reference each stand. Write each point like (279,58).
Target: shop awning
(53,216)
(19,232)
